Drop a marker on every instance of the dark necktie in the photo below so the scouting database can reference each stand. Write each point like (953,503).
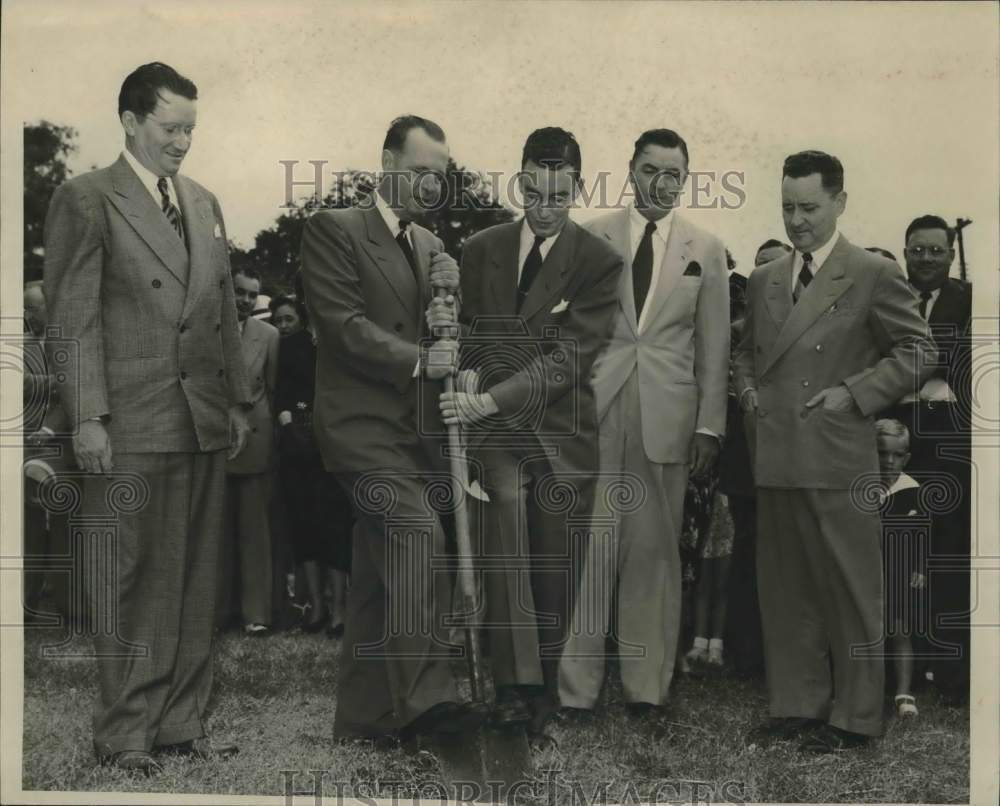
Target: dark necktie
(404,244)
(642,268)
(805,274)
(532,264)
(925,297)
(169,208)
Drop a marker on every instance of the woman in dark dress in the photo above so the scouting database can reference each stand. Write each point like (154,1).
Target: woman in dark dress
(318,513)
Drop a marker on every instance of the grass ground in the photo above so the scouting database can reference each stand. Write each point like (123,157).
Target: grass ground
(276,698)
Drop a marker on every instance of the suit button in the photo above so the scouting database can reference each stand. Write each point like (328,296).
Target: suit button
(819,348)
(804,413)
(222,283)
(156,283)
(399,327)
(184,376)
(762,412)
(254,429)
(218,326)
(182,327)
(805,383)
(221,373)
(764,383)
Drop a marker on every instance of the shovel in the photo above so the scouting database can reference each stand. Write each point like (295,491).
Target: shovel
(486,765)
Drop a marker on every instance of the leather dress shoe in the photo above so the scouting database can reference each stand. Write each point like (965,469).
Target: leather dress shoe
(203,749)
(132,761)
(782,729)
(446,718)
(509,709)
(828,739)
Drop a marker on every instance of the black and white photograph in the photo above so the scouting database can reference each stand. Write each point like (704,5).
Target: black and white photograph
(553,403)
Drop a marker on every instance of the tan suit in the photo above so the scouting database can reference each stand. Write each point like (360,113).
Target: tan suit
(654,386)
(248,487)
(159,357)
(818,558)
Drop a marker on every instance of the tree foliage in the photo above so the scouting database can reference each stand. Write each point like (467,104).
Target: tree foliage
(46,148)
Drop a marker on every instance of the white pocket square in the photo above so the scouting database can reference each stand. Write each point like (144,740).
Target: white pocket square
(218,231)
(562,306)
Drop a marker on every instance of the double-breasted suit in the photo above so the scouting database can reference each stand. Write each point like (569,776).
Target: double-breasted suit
(818,559)
(248,486)
(538,456)
(662,377)
(159,360)
(367,307)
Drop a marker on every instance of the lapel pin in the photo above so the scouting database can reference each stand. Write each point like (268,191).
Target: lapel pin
(218,230)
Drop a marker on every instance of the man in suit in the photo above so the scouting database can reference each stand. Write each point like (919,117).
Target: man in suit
(247,531)
(832,336)
(938,418)
(367,273)
(137,274)
(538,297)
(660,389)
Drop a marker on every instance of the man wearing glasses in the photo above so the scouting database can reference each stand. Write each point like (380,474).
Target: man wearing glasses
(937,416)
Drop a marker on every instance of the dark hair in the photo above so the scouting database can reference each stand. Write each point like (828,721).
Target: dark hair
(295,302)
(667,138)
(930,222)
(401,126)
(771,243)
(807,163)
(247,271)
(141,89)
(552,147)
(878,250)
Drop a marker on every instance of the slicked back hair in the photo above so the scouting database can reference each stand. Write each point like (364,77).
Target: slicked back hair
(141,89)
(395,138)
(930,222)
(807,163)
(552,148)
(667,138)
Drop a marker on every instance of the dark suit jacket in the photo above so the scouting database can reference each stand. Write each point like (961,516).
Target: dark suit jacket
(159,352)
(367,308)
(538,364)
(950,323)
(857,324)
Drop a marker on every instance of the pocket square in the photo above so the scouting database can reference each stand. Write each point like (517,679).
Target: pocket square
(693,269)
(562,306)
(218,231)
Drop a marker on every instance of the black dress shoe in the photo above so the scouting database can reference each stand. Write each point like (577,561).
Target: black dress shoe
(203,749)
(132,761)
(510,709)
(446,718)
(335,630)
(828,739)
(782,729)
(637,710)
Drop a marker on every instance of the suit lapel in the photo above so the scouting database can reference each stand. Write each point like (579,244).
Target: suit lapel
(618,233)
(250,339)
(422,246)
(829,285)
(549,282)
(134,202)
(778,293)
(675,260)
(196,213)
(503,274)
(390,260)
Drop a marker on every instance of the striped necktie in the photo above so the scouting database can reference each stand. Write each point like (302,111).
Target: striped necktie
(169,208)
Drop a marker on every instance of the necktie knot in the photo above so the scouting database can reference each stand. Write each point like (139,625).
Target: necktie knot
(403,224)
(169,208)
(926,295)
(161,185)
(650,228)
(807,258)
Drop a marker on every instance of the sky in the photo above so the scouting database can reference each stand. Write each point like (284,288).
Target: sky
(905,94)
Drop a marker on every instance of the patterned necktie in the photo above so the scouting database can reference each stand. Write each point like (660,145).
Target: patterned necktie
(642,268)
(404,244)
(925,297)
(169,208)
(805,275)
(532,264)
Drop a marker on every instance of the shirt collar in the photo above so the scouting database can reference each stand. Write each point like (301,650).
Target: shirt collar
(388,215)
(528,238)
(904,482)
(820,255)
(637,222)
(148,178)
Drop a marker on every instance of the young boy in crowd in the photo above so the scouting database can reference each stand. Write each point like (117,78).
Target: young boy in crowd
(903,555)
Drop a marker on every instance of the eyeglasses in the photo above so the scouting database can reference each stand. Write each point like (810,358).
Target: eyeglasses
(933,251)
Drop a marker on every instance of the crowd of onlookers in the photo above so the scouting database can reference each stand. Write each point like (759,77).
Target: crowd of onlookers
(288,528)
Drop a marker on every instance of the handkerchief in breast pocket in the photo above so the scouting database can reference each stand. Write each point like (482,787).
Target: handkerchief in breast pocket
(218,230)
(693,269)
(562,306)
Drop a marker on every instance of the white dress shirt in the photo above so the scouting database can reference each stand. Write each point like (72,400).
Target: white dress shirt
(527,241)
(391,219)
(934,390)
(637,228)
(149,180)
(819,258)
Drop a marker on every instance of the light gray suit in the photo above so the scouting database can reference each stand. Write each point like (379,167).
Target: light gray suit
(654,386)
(160,359)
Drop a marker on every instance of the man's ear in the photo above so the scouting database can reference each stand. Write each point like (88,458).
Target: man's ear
(841,202)
(129,122)
(388,159)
